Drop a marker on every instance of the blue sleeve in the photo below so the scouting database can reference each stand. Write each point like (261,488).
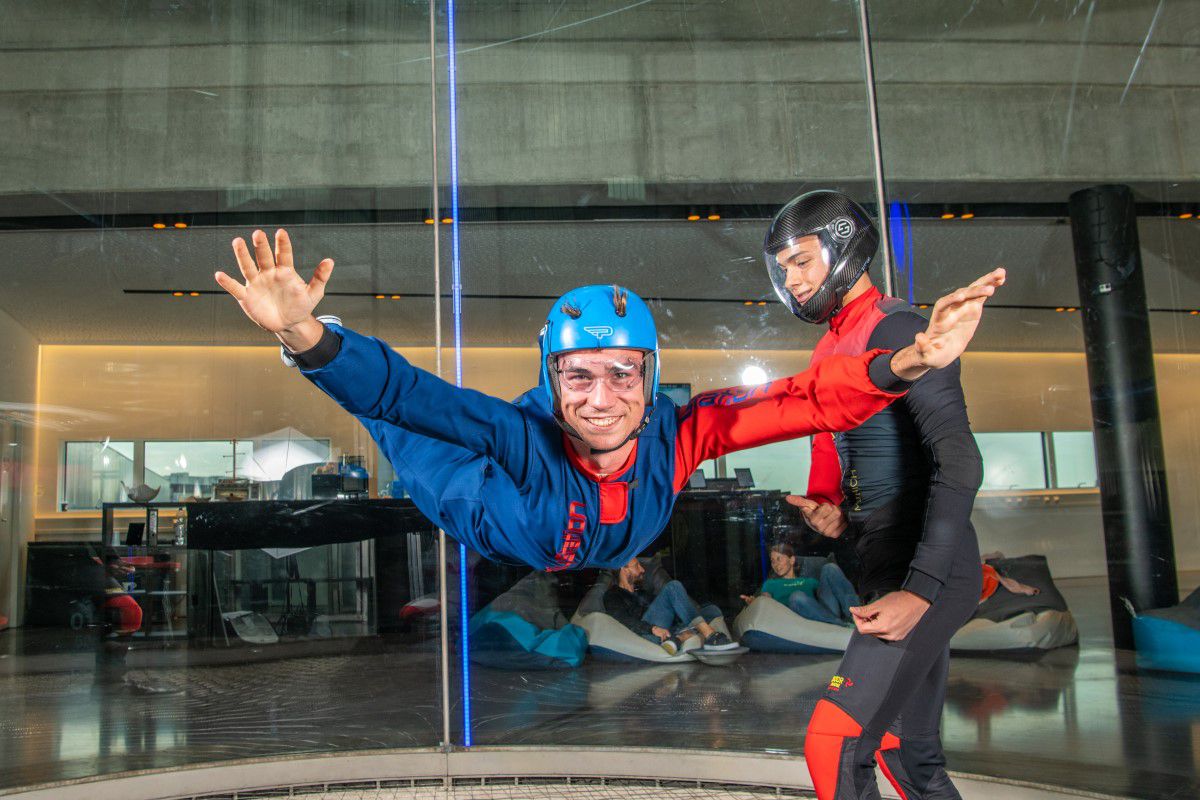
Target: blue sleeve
(373,382)
(444,481)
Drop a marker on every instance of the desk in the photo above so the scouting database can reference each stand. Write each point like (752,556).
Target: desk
(66,581)
(251,556)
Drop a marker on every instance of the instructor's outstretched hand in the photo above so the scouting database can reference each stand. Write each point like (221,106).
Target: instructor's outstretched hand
(274,296)
(952,324)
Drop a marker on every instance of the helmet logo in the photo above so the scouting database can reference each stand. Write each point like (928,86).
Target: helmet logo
(842,228)
(599,331)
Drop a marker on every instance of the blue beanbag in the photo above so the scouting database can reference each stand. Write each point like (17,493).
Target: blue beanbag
(503,639)
(1169,638)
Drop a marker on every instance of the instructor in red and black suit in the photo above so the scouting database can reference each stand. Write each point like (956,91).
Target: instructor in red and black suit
(900,487)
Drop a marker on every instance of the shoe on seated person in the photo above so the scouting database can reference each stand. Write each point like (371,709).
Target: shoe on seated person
(672,645)
(719,641)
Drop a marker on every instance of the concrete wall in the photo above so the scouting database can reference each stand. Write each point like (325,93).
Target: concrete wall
(228,95)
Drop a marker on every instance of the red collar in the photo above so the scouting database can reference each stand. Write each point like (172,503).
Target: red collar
(579,464)
(855,311)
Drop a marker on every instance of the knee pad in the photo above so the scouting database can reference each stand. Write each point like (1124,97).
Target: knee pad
(829,751)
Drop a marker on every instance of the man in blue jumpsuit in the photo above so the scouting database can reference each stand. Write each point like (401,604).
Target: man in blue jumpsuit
(582,471)
(900,486)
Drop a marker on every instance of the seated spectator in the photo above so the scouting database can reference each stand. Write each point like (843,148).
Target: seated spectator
(666,618)
(827,598)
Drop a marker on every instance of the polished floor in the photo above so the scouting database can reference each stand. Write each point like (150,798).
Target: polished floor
(1078,717)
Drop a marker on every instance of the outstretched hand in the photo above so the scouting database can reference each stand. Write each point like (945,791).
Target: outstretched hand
(274,295)
(952,324)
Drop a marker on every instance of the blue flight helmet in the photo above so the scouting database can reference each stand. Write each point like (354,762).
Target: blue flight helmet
(596,317)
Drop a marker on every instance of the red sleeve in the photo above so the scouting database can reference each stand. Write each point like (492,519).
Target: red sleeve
(825,474)
(836,395)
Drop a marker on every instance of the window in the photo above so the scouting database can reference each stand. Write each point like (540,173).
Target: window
(1012,461)
(187,469)
(93,473)
(1074,459)
(783,465)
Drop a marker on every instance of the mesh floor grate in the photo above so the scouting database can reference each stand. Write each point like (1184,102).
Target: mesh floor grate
(515,789)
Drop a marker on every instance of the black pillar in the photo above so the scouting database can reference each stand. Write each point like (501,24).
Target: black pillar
(1120,361)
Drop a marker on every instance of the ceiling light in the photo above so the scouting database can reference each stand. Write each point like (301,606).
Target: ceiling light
(447,220)
(693,216)
(1194,313)
(1186,215)
(1060,309)
(947,215)
(969,215)
(762,302)
(158,225)
(194,294)
(177,294)
(181,224)
(713,217)
(429,220)
(753,375)
(1071,309)
(379,296)
(748,302)
(395,297)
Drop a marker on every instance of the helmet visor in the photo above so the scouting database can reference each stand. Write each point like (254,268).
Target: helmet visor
(808,260)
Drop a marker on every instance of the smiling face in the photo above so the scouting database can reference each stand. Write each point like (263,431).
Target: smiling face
(806,265)
(784,566)
(602,394)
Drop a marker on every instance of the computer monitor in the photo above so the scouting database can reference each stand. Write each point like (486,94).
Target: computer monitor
(697,481)
(134,533)
(744,479)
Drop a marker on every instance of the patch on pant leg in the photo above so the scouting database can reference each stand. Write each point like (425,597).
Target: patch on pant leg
(839,682)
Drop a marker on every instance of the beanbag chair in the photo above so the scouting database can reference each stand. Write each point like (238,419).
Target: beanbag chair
(1017,623)
(609,640)
(524,629)
(1169,638)
(768,626)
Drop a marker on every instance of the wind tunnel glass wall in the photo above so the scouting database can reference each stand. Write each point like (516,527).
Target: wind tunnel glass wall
(179,581)
(991,115)
(642,144)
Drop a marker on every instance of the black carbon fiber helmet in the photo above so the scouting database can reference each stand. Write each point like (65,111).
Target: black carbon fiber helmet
(848,239)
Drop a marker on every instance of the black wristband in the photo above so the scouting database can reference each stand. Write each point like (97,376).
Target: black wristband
(880,372)
(321,353)
(922,584)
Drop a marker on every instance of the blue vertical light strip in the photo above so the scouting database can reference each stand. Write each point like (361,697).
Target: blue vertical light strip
(900,227)
(456,301)
(762,542)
